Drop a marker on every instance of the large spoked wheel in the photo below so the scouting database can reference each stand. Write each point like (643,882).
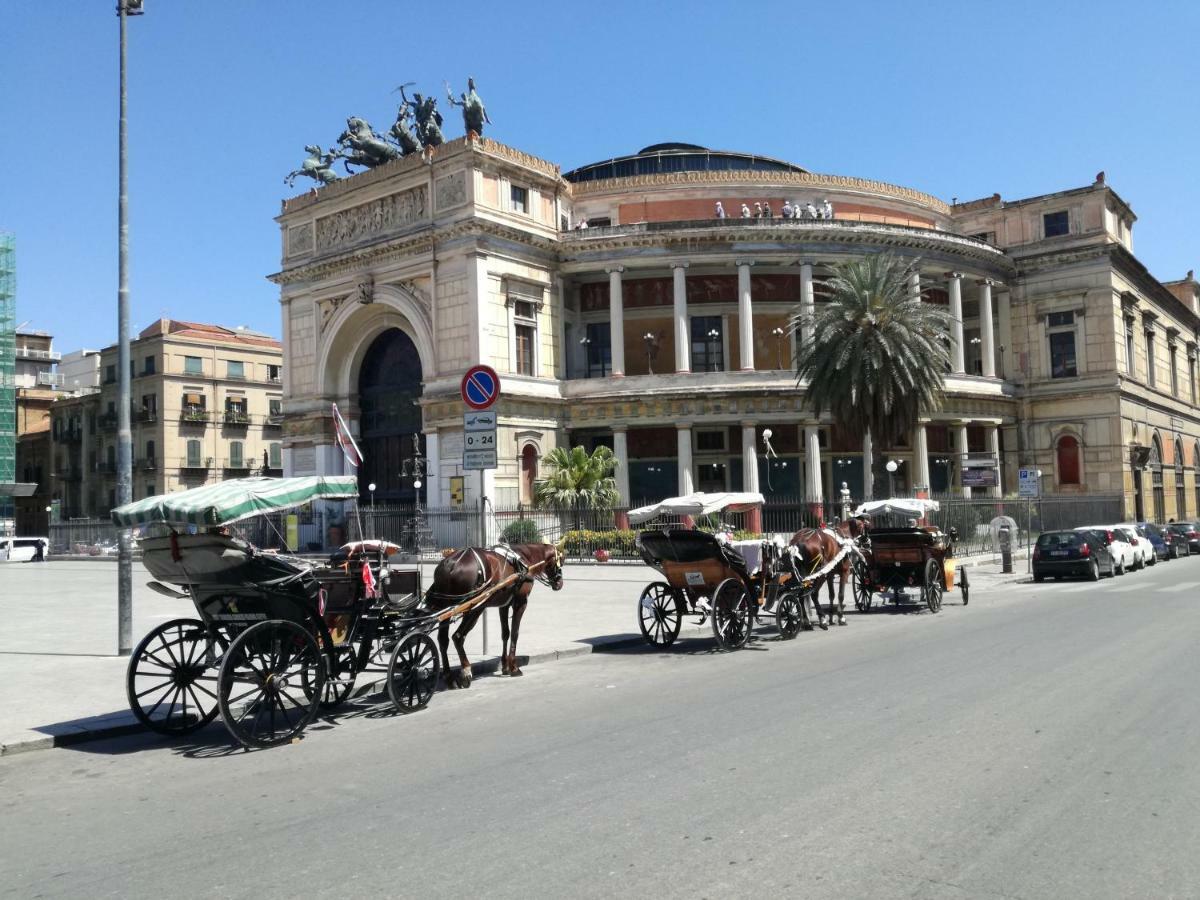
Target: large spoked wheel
(931,585)
(964,587)
(271,684)
(860,578)
(731,614)
(658,614)
(172,677)
(413,673)
(789,614)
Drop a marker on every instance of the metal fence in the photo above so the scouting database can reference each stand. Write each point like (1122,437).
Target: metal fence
(83,537)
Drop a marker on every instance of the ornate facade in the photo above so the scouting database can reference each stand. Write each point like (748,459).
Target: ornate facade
(662,330)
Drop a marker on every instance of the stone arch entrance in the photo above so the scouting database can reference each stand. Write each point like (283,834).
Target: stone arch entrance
(389,385)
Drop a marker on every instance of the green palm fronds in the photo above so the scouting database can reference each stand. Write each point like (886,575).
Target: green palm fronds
(877,354)
(578,480)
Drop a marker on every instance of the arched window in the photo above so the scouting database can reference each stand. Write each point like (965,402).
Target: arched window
(529,468)
(1180,496)
(1156,479)
(1067,452)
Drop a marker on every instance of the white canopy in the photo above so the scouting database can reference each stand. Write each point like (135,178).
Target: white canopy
(902,506)
(696,504)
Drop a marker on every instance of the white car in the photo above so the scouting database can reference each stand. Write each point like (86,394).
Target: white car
(1123,554)
(22,549)
(1143,549)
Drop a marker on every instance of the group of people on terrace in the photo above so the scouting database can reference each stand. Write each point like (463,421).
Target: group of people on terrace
(762,210)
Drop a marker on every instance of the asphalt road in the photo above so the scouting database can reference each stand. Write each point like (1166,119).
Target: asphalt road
(1039,744)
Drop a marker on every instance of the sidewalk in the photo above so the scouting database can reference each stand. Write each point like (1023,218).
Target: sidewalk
(61,682)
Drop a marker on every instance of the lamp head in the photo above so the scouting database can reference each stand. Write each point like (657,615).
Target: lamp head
(767,432)
(891,465)
(371,487)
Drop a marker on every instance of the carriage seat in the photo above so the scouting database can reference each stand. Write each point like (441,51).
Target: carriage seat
(685,545)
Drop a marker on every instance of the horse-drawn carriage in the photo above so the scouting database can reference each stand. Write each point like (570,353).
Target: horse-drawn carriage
(275,638)
(728,582)
(893,560)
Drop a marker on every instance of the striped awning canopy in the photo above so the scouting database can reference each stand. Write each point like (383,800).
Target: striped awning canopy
(234,500)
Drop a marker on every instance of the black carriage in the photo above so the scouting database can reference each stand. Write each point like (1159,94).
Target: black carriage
(275,639)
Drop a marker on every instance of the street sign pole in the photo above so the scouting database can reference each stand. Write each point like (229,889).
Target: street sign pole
(480,389)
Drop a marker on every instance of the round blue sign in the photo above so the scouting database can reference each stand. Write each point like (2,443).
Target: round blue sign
(480,387)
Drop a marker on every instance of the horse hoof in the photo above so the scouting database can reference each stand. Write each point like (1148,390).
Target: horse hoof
(842,621)
(515,673)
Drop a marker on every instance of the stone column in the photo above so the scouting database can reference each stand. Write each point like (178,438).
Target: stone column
(960,448)
(957,360)
(745,318)
(683,333)
(616,320)
(684,452)
(1004,317)
(433,469)
(868,458)
(806,303)
(914,284)
(921,459)
(749,458)
(812,459)
(985,328)
(993,439)
(621,452)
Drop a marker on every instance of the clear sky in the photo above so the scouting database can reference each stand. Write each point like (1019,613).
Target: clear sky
(957,99)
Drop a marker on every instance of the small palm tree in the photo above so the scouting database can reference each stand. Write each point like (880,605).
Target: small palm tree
(578,480)
(878,353)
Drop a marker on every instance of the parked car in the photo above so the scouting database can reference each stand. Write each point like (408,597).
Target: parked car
(1163,540)
(1080,553)
(1118,545)
(22,549)
(1189,537)
(1143,551)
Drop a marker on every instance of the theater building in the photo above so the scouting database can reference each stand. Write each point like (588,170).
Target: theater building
(662,331)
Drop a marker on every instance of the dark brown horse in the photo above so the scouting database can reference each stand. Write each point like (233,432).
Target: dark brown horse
(819,546)
(467,573)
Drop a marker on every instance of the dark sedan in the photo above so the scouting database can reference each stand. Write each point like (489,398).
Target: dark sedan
(1189,537)
(1083,554)
(1165,542)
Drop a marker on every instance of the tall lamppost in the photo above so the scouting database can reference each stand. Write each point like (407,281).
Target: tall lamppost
(713,336)
(650,340)
(125,8)
(414,468)
(891,467)
(779,333)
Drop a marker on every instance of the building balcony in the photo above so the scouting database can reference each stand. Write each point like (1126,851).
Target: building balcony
(194,415)
(69,435)
(106,468)
(150,464)
(196,464)
(238,466)
(50,379)
(146,416)
(30,353)
(273,422)
(236,417)
(107,422)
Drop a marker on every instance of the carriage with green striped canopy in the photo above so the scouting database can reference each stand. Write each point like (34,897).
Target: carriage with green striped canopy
(275,637)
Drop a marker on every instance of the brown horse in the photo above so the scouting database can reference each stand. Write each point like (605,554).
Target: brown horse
(468,573)
(818,546)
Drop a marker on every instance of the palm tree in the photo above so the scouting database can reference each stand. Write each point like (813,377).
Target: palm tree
(578,480)
(878,353)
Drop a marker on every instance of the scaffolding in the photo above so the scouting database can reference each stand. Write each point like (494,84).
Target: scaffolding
(8,382)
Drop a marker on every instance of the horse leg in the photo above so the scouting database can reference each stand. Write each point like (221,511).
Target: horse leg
(460,636)
(519,602)
(443,646)
(841,604)
(504,670)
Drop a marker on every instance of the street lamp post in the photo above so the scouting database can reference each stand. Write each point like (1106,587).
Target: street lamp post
(648,337)
(125,8)
(713,337)
(891,467)
(779,333)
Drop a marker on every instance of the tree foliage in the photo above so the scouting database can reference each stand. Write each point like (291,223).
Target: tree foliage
(578,479)
(878,353)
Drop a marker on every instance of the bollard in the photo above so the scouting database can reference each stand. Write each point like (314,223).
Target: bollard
(1006,560)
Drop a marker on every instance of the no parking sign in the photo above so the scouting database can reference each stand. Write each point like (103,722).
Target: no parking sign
(480,387)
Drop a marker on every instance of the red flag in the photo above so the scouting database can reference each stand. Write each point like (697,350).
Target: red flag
(368,578)
(341,434)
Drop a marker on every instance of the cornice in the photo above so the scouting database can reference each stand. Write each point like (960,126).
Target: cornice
(810,180)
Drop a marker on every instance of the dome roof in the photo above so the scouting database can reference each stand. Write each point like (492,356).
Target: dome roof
(659,159)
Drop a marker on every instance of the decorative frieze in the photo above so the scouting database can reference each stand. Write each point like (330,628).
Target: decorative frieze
(373,219)
(450,191)
(300,240)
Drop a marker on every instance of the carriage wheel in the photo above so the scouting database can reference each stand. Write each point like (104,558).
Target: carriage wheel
(860,578)
(658,614)
(172,679)
(964,587)
(413,672)
(339,684)
(931,586)
(789,614)
(263,697)
(731,614)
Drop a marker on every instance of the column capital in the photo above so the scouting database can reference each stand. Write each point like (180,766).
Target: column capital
(985,281)
(954,275)
(620,429)
(679,264)
(749,423)
(743,262)
(683,426)
(614,269)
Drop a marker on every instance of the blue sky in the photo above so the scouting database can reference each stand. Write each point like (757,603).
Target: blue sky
(957,99)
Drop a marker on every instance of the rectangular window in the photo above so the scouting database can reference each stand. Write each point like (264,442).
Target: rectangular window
(273,374)
(1062,354)
(1129,357)
(710,441)
(275,455)
(235,368)
(1174,359)
(1192,378)
(1060,319)
(274,407)
(150,451)
(520,199)
(193,454)
(524,337)
(708,350)
(193,365)
(1150,374)
(598,346)
(524,346)
(148,366)
(1056,223)
(599,222)
(235,455)
(110,373)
